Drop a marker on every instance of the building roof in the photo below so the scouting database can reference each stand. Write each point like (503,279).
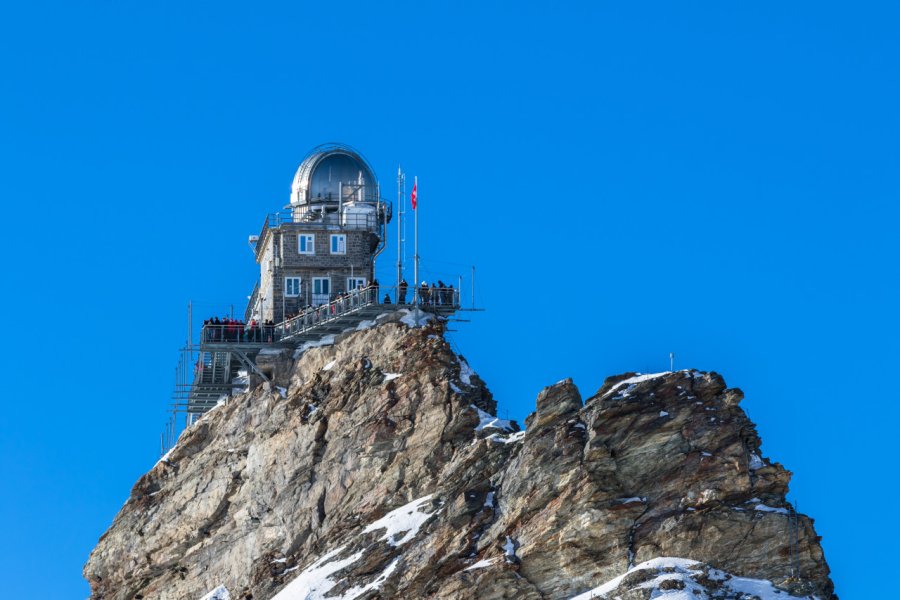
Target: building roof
(326,168)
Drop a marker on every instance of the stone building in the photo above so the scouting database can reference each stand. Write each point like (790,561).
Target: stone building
(325,241)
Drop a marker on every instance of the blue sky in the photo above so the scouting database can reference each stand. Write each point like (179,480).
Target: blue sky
(714,180)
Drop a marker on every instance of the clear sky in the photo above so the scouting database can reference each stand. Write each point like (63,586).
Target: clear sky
(718,180)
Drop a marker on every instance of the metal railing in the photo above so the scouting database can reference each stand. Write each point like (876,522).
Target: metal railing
(251,302)
(236,332)
(330,217)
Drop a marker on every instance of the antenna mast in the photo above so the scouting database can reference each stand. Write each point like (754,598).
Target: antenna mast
(400,179)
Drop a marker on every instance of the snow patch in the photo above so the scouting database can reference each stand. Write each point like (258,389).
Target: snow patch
(481,564)
(373,585)
(631,382)
(407,519)
(330,365)
(410,318)
(281,391)
(770,509)
(486,420)
(327,340)
(756,462)
(663,413)
(630,500)
(509,549)
(465,371)
(220,593)
(506,439)
(685,570)
(391,376)
(365,325)
(315,581)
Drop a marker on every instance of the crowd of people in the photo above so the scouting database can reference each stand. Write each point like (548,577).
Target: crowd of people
(228,329)
(439,294)
(235,330)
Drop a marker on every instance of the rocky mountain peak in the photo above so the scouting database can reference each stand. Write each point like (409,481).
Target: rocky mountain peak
(374,468)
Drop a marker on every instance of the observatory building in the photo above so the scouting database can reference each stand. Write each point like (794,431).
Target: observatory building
(316,261)
(325,241)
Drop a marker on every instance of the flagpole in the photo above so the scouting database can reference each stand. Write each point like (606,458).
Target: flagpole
(416,277)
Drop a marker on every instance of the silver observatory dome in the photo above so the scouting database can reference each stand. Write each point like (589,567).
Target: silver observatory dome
(334,173)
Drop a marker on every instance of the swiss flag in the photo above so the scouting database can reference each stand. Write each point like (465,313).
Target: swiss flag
(414,194)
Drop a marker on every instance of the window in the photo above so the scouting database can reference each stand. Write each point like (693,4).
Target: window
(306,243)
(339,243)
(354,283)
(321,290)
(292,287)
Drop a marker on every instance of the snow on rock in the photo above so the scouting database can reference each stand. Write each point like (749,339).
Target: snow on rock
(327,340)
(165,457)
(486,421)
(465,371)
(329,366)
(407,519)
(365,325)
(756,462)
(509,550)
(632,382)
(391,376)
(315,581)
(375,584)
(663,413)
(281,391)
(481,564)
(410,318)
(697,581)
(506,439)
(771,509)
(220,593)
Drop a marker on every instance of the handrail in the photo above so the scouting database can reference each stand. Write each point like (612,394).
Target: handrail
(429,299)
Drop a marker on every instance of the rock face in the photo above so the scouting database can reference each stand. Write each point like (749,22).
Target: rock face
(381,474)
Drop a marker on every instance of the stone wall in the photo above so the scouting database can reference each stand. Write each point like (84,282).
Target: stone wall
(357,262)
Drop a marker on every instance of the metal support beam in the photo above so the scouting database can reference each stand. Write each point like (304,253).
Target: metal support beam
(245,360)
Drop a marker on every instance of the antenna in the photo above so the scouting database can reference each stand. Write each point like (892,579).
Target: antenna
(671,361)
(400,180)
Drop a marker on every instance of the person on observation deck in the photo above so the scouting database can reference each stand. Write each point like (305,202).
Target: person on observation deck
(401,292)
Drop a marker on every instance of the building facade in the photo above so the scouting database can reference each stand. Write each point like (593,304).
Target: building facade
(324,243)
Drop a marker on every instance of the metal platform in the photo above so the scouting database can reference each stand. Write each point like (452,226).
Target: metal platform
(225,350)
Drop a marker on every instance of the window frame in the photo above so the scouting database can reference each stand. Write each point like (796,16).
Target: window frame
(311,250)
(339,237)
(299,286)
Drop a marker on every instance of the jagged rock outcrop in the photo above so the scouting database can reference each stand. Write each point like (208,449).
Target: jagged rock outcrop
(380,473)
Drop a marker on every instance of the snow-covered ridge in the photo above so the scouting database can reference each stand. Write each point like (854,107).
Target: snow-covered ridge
(631,382)
(689,573)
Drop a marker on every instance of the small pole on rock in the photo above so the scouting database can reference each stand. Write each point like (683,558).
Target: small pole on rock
(671,361)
